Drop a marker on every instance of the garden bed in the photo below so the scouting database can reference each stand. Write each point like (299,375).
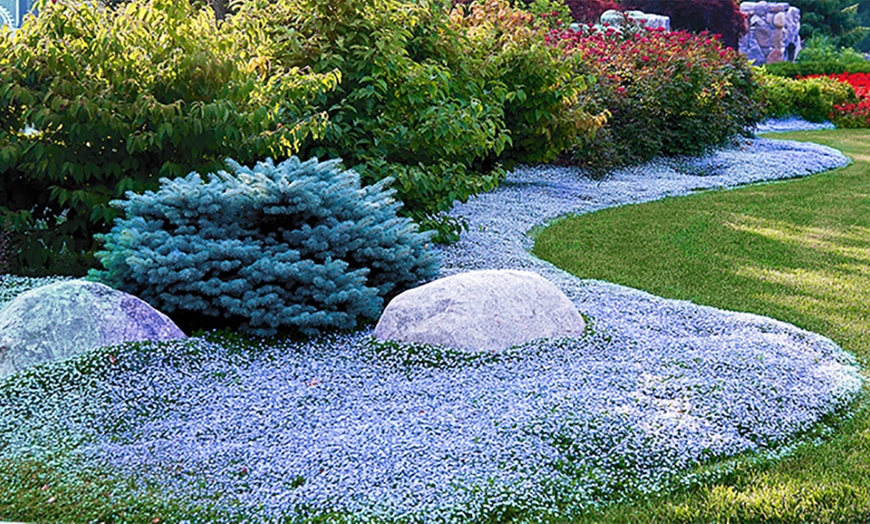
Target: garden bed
(248,430)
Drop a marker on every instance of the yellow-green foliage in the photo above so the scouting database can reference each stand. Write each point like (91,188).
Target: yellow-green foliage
(542,91)
(96,101)
(810,98)
(438,101)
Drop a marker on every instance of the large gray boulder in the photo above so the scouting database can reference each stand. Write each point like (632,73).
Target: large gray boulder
(481,311)
(67,318)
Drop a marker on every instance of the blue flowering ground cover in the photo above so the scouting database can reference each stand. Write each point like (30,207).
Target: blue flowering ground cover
(347,427)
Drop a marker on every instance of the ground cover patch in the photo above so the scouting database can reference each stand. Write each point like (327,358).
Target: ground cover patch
(227,428)
(207,428)
(796,251)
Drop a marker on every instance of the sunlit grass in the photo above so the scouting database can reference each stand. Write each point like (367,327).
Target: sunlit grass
(798,251)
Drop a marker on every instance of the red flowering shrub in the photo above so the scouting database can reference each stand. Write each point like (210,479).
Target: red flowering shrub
(853,114)
(667,93)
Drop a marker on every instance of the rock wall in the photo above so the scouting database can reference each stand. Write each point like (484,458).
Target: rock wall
(773,34)
(615,18)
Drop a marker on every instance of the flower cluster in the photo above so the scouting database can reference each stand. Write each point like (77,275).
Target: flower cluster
(853,114)
(666,92)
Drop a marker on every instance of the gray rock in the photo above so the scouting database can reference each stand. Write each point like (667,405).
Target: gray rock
(763,37)
(749,46)
(779,20)
(481,311)
(68,318)
(615,18)
(773,32)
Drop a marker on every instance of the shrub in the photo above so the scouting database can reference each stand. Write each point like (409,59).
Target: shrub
(665,93)
(855,112)
(551,14)
(722,17)
(541,90)
(296,246)
(827,67)
(819,56)
(119,97)
(812,99)
(820,48)
(438,101)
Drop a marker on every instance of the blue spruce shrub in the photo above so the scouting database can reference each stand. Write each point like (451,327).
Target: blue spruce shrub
(297,247)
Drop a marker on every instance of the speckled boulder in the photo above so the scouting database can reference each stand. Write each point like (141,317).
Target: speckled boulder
(67,318)
(481,311)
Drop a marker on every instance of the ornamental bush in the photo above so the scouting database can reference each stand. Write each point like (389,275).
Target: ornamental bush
(297,247)
(824,67)
(440,100)
(819,56)
(664,93)
(812,99)
(96,101)
(854,113)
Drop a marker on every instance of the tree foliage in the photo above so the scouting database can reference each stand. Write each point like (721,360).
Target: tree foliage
(297,246)
(96,101)
(721,17)
(864,17)
(836,19)
(439,100)
(589,11)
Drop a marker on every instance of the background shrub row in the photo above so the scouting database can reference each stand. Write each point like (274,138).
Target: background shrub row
(812,99)
(664,93)
(96,102)
(437,99)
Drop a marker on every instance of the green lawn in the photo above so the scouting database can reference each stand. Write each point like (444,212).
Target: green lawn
(796,250)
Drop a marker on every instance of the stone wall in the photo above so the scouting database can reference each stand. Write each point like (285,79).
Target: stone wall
(615,18)
(773,34)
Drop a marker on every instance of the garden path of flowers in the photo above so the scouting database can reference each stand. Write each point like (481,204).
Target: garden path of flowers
(343,424)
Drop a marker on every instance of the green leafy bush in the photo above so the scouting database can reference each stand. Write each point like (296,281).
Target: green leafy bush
(828,67)
(96,101)
(822,49)
(551,14)
(439,100)
(820,56)
(812,99)
(296,246)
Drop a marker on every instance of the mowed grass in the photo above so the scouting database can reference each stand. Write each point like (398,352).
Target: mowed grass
(796,250)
